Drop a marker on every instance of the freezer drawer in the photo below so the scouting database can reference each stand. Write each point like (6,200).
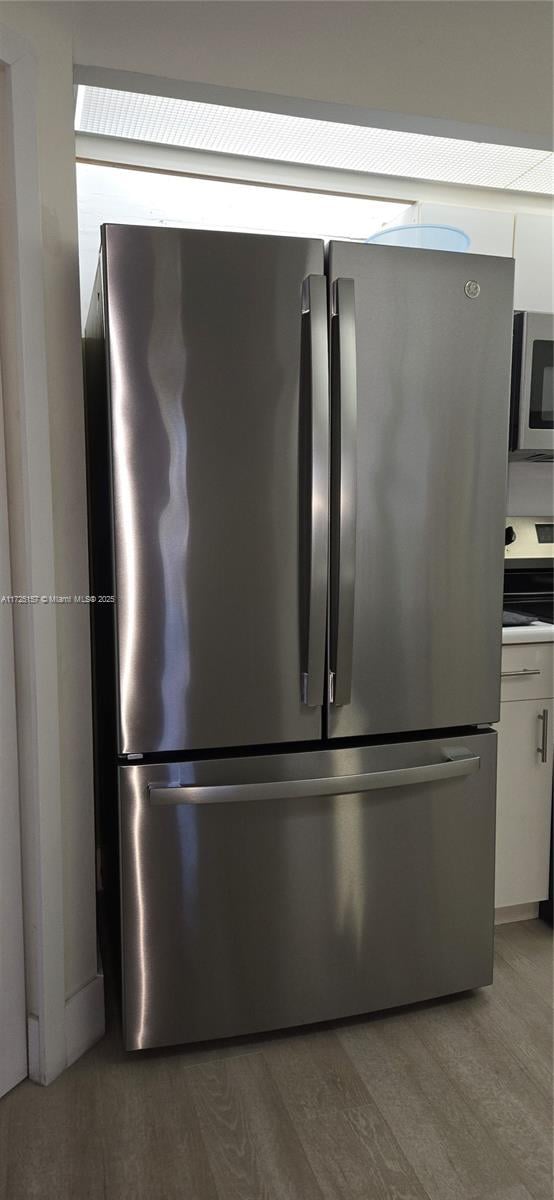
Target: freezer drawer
(264,892)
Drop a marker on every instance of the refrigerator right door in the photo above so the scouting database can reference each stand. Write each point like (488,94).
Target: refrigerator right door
(421,346)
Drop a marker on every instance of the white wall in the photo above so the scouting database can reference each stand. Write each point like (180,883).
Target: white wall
(13,1025)
(482,62)
(72,724)
(61,281)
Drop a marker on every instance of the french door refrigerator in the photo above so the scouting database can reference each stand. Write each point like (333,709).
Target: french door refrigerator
(297,461)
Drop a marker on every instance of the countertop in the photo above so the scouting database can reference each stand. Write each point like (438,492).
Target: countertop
(517,635)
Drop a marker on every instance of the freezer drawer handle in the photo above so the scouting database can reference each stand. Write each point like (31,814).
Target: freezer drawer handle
(456,763)
(343,487)
(314,309)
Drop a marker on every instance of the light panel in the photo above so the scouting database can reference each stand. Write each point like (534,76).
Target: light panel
(540,178)
(246,132)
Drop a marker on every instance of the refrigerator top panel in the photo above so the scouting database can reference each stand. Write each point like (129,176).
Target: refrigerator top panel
(420,418)
(206,341)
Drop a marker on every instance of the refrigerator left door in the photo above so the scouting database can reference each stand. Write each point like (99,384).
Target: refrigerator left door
(218,395)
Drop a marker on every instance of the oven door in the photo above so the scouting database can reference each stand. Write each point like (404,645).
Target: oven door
(536,398)
(530,591)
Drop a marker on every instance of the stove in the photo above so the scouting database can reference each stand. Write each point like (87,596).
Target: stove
(529,571)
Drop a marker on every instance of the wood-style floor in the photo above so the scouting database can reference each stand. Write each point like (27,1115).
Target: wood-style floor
(446,1101)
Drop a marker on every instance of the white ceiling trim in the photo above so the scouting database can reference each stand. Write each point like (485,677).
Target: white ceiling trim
(176,160)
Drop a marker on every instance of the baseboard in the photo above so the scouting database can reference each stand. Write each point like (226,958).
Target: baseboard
(517,912)
(33,1048)
(84,1019)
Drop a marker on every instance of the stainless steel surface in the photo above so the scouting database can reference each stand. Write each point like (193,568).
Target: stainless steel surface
(314,306)
(343,487)
(536,326)
(244,917)
(433,387)
(463,763)
(524,671)
(525,542)
(205,347)
(543,748)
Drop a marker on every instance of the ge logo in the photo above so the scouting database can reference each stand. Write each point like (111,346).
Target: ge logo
(472,289)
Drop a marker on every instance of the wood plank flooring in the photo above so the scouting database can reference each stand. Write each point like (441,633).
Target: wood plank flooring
(445,1101)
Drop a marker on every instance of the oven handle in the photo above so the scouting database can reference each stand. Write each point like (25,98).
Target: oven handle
(521,597)
(524,671)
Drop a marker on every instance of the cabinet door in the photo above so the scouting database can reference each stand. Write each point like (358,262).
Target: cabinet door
(490,231)
(524,803)
(533,248)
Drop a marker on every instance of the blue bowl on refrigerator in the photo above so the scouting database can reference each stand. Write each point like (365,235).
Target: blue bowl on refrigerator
(423,237)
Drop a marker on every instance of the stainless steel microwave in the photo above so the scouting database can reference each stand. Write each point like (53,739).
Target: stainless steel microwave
(532,395)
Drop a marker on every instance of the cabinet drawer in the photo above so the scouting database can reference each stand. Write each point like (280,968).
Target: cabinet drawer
(527,671)
(524,803)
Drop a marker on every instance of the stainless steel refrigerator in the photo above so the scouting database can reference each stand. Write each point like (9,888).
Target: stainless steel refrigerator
(297,462)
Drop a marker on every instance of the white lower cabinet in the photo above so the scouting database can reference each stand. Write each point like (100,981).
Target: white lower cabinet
(524,782)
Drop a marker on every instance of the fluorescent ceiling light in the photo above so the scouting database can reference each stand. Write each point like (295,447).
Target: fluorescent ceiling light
(247,132)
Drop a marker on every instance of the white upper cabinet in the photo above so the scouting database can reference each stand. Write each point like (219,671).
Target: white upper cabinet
(533,250)
(490,231)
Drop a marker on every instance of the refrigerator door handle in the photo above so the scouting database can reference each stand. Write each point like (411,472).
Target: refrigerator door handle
(454,765)
(314,311)
(343,476)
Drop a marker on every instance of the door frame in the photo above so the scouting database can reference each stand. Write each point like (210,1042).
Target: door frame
(13,1032)
(33,570)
